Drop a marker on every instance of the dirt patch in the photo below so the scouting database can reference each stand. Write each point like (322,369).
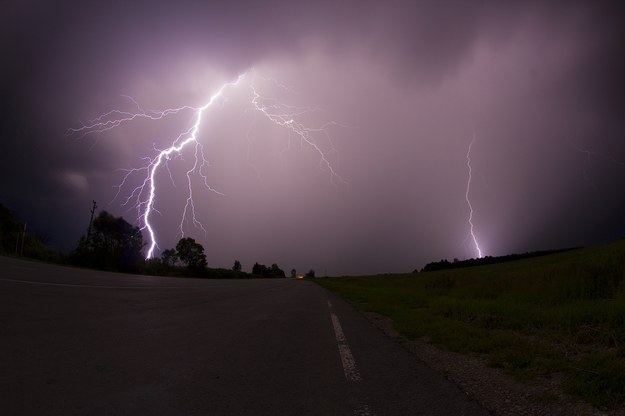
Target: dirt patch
(491,387)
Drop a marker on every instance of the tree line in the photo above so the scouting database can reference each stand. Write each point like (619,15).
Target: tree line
(115,245)
(16,239)
(445,264)
(112,244)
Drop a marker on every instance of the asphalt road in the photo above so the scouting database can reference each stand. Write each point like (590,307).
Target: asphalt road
(81,342)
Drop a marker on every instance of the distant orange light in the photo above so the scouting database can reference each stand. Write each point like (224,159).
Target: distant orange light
(300,276)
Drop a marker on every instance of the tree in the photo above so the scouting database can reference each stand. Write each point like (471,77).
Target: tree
(169,257)
(276,271)
(293,273)
(15,240)
(311,273)
(113,244)
(260,269)
(191,254)
(237,266)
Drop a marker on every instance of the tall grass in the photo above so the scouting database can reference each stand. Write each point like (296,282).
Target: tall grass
(563,313)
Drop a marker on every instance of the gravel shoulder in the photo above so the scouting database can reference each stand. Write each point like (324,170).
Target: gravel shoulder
(491,387)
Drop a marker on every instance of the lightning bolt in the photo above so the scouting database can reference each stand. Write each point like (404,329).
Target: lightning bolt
(143,196)
(466,196)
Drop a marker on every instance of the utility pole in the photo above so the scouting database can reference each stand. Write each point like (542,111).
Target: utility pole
(23,238)
(91,219)
(17,242)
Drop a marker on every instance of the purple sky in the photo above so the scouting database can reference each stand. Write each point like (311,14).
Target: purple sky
(540,85)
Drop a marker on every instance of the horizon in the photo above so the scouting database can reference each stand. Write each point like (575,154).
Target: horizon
(435,265)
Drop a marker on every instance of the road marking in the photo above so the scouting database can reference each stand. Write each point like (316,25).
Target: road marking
(349,364)
(347,359)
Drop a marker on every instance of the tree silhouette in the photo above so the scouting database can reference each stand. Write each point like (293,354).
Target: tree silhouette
(113,244)
(276,271)
(191,254)
(264,271)
(237,266)
(169,257)
(260,269)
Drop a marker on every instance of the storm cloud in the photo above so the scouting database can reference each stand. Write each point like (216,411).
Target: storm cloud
(539,86)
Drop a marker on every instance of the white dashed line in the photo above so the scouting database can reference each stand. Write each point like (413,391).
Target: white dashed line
(349,364)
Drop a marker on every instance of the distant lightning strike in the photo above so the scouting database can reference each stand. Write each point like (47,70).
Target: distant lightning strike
(466,195)
(144,195)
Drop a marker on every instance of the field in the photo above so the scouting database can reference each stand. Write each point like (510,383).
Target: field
(559,314)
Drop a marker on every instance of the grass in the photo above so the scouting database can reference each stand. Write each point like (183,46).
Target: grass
(563,313)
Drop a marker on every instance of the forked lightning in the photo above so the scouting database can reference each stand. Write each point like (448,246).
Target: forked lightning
(144,195)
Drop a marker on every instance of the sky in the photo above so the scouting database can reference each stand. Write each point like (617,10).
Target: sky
(393,93)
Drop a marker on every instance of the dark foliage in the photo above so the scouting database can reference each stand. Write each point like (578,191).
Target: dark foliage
(264,271)
(191,254)
(169,257)
(16,240)
(188,260)
(113,244)
(458,264)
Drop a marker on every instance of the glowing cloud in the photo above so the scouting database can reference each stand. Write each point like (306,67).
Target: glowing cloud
(144,195)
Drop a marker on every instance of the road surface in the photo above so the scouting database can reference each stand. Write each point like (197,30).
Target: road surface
(82,342)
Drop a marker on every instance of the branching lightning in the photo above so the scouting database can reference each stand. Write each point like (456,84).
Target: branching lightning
(466,195)
(143,196)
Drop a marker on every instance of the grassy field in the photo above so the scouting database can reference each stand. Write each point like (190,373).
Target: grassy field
(559,314)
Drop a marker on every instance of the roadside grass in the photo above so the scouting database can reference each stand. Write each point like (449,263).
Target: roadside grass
(558,314)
